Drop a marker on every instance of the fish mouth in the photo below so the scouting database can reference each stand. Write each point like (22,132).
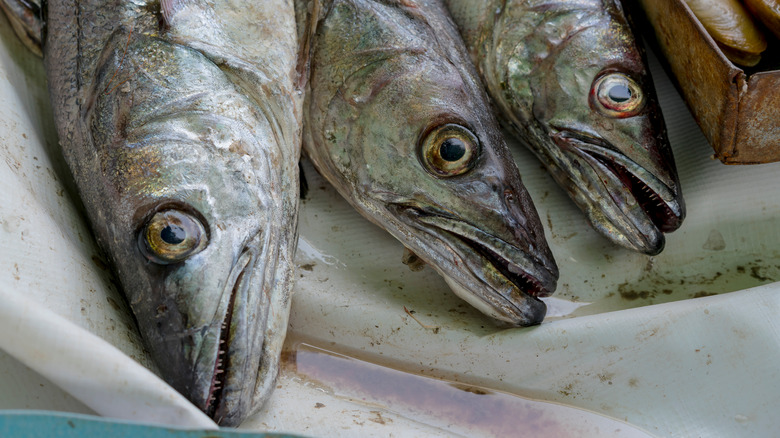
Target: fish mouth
(498,278)
(226,369)
(660,209)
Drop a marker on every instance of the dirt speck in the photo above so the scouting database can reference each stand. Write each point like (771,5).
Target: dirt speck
(471,389)
(632,295)
(702,294)
(567,390)
(378,418)
(319,405)
(114,305)
(99,263)
(715,241)
(755,272)
(610,349)
(606,377)
(412,260)
(633,382)
(308,267)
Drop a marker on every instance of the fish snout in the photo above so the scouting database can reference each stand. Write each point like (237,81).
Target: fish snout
(211,348)
(636,203)
(241,334)
(526,233)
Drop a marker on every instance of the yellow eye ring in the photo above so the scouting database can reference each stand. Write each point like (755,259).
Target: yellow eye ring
(449,150)
(617,95)
(171,236)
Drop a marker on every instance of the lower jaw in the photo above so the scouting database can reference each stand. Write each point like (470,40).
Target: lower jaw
(534,314)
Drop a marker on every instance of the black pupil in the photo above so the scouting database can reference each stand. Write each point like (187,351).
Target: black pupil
(452,149)
(173,234)
(619,93)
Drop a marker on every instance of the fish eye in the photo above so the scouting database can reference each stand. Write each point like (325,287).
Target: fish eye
(449,150)
(617,95)
(171,236)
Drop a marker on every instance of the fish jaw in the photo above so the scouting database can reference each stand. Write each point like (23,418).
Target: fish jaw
(501,279)
(204,322)
(224,401)
(237,368)
(625,201)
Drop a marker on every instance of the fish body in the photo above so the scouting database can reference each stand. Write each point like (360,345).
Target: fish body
(396,119)
(731,26)
(767,12)
(570,81)
(184,146)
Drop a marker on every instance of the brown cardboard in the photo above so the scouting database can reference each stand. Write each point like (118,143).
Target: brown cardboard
(738,113)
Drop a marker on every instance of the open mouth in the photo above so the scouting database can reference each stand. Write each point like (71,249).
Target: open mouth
(658,202)
(512,264)
(222,364)
(513,273)
(651,203)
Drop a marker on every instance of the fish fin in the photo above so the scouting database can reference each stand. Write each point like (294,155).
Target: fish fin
(311,12)
(169,9)
(412,260)
(27,21)
(303,183)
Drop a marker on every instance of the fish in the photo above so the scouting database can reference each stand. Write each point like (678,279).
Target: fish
(180,122)
(767,12)
(731,26)
(396,120)
(571,83)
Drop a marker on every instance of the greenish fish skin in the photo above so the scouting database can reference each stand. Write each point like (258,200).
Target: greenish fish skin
(162,113)
(542,62)
(383,77)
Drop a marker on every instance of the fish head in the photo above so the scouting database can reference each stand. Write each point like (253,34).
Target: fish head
(409,140)
(184,202)
(578,92)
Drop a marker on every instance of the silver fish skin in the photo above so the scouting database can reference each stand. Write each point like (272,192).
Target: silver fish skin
(571,82)
(396,119)
(180,122)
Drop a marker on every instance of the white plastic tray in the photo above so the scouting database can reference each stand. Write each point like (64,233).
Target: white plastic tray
(655,342)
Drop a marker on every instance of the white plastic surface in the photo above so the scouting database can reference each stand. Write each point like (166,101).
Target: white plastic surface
(703,366)
(84,365)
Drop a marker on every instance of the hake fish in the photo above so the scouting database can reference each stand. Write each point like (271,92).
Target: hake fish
(396,119)
(572,84)
(184,146)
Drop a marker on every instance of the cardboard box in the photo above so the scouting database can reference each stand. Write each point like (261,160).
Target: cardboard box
(738,110)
